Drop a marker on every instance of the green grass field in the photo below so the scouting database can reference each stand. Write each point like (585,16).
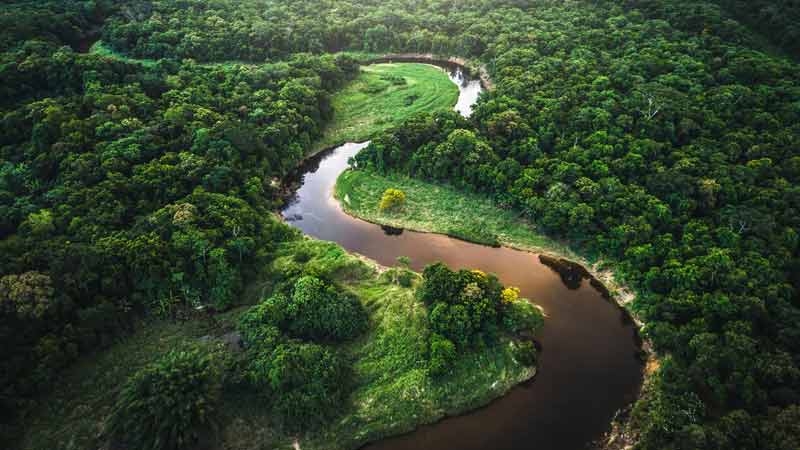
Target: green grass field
(393,392)
(384,95)
(440,209)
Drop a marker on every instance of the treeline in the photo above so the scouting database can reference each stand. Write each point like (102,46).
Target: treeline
(776,22)
(69,22)
(259,30)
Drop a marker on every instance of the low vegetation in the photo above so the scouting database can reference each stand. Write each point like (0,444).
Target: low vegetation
(440,209)
(170,404)
(384,95)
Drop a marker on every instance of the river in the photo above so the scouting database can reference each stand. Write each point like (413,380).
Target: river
(588,368)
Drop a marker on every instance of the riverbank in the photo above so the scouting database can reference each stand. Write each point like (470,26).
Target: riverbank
(435,208)
(473,69)
(393,392)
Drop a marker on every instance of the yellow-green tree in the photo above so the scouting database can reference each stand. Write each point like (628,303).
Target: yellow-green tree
(392,199)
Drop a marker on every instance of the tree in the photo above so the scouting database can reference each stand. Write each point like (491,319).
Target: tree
(305,383)
(168,405)
(392,200)
(29,296)
(442,355)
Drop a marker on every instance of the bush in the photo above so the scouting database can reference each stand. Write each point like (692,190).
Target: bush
(168,405)
(392,199)
(261,322)
(306,383)
(521,316)
(442,354)
(318,311)
(525,353)
(315,310)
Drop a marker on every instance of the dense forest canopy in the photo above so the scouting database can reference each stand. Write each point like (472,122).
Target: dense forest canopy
(660,135)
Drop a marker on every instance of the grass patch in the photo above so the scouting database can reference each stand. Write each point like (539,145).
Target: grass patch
(440,209)
(393,391)
(384,95)
(101,49)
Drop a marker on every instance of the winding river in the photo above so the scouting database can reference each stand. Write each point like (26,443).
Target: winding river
(588,368)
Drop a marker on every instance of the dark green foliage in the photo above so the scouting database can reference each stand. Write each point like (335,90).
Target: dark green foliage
(525,353)
(136,187)
(305,383)
(315,310)
(319,311)
(442,355)
(655,134)
(467,306)
(678,163)
(168,405)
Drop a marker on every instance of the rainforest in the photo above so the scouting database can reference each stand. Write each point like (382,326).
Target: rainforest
(397,224)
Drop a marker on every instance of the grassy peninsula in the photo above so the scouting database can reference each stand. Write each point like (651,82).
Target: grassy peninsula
(439,209)
(382,96)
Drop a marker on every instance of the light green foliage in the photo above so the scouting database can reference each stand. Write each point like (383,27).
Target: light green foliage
(376,100)
(442,355)
(522,316)
(169,405)
(41,222)
(392,200)
(439,209)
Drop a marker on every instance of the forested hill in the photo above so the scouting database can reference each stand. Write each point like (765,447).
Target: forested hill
(778,21)
(764,24)
(658,135)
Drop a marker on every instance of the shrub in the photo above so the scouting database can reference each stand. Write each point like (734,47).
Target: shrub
(392,199)
(510,295)
(317,310)
(168,405)
(306,383)
(442,354)
(521,316)
(263,320)
(525,353)
(453,322)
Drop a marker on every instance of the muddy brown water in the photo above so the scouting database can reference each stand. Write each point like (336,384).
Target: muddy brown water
(588,368)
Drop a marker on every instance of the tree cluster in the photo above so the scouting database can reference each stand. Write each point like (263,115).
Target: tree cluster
(289,359)
(468,308)
(168,405)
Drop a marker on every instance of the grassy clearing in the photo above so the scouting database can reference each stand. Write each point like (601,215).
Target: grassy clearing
(440,209)
(100,48)
(393,391)
(383,95)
